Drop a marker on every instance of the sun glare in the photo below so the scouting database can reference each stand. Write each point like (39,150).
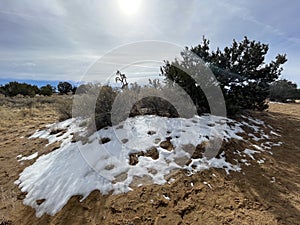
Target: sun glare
(129,7)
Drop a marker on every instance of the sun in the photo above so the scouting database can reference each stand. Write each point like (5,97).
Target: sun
(129,7)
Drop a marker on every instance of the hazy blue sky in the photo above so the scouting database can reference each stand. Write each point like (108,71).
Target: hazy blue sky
(59,40)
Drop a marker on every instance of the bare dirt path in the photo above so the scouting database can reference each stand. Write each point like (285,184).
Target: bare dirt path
(266,193)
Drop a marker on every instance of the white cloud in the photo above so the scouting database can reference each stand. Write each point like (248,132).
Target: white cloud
(63,37)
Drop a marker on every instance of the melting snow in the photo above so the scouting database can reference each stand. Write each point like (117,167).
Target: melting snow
(274,133)
(208,184)
(33,156)
(166,197)
(250,153)
(78,168)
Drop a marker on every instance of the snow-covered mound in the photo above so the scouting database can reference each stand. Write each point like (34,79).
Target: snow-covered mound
(138,151)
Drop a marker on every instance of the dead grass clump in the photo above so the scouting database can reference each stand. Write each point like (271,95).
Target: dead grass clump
(20,102)
(64,108)
(45,99)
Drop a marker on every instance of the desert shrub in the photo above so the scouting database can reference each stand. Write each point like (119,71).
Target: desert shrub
(103,107)
(83,105)
(18,102)
(2,91)
(2,100)
(46,90)
(94,101)
(153,106)
(283,90)
(83,88)
(64,108)
(45,99)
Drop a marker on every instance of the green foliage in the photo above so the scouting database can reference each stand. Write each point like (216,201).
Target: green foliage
(14,88)
(153,106)
(240,69)
(282,90)
(2,90)
(74,89)
(64,87)
(46,90)
(103,108)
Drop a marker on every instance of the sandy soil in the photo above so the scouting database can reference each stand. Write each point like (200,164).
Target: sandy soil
(266,193)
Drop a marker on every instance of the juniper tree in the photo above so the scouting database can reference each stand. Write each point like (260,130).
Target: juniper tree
(240,69)
(64,87)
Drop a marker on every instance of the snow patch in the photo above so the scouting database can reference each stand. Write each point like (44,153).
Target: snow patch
(33,156)
(78,168)
(250,153)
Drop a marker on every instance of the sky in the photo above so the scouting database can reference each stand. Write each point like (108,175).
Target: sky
(62,40)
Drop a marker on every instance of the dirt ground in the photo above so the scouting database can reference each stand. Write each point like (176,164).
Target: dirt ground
(266,193)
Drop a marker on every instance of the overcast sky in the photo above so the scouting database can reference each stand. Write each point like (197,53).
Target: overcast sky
(60,40)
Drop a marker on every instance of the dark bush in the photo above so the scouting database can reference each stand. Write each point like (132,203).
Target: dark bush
(64,108)
(46,90)
(240,69)
(64,87)
(283,90)
(103,107)
(15,88)
(153,106)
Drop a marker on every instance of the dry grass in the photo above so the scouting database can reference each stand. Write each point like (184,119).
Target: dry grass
(290,109)
(12,109)
(63,106)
